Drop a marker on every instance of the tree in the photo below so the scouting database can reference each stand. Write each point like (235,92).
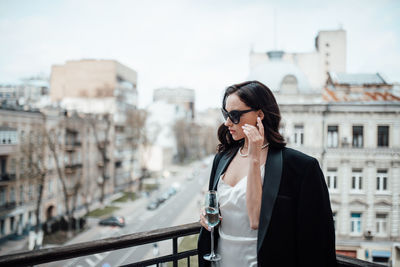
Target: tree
(182,131)
(135,132)
(56,149)
(193,141)
(34,155)
(103,127)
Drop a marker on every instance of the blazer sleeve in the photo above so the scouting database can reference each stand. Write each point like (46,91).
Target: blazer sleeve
(204,240)
(315,229)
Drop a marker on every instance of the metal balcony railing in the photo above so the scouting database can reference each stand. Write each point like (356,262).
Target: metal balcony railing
(114,243)
(8,206)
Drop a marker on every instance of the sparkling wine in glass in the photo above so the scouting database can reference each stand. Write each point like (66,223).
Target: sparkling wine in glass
(212,217)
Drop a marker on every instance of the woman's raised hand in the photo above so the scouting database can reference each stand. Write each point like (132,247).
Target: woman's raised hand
(255,136)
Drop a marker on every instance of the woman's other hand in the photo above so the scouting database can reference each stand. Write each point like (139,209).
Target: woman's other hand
(203,220)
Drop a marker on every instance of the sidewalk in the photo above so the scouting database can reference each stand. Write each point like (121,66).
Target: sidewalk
(14,246)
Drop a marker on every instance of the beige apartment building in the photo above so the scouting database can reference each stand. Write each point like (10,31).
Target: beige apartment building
(23,137)
(18,189)
(102,87)
(91,79)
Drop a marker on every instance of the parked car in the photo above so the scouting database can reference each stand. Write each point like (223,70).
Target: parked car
(171,191)
(113,221)
(153,205)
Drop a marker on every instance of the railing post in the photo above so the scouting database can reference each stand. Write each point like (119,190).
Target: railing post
(175,250)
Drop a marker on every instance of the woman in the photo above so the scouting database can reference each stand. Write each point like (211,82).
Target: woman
(274,203)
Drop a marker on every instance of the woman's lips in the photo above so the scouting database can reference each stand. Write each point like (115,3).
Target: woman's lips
(232,131)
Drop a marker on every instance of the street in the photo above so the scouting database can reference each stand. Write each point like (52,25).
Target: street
(181,208)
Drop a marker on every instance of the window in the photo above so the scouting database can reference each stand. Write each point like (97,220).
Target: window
(355,223)
(12,195)
(382,180)
(289,84)
(383,136)
(356,180)
(333,136)
(13,166)
(358,136)
(30,192)
(22,165)
(21,194)
(299,134)
(331,179)
(2,196)
(381,224)
(12,224)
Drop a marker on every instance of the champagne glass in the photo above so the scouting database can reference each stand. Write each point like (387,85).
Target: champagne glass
(212,217)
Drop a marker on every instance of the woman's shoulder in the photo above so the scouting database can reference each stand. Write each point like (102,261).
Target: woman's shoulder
(297,157)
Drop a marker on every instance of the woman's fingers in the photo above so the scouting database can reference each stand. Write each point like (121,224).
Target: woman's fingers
(260,126)
(252,132)
(203,220)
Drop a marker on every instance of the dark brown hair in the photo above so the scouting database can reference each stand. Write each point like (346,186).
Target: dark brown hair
(256,96)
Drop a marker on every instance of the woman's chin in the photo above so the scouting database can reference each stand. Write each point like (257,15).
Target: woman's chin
(236,137)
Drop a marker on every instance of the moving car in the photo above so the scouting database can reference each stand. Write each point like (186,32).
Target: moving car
(113,221)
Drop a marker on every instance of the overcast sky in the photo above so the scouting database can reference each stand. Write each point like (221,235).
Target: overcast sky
(203,45)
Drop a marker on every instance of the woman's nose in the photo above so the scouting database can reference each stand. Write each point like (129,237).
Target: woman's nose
(228,122)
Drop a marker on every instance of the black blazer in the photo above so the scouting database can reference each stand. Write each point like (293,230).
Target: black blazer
(296,223)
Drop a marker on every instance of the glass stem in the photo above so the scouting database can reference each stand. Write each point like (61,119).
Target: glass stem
(212,242)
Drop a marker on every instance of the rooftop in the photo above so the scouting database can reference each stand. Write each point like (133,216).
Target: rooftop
(357,78)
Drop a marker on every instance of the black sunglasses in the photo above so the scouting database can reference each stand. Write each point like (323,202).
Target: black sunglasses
(234,115)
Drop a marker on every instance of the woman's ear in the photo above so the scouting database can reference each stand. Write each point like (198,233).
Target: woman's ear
(260,114)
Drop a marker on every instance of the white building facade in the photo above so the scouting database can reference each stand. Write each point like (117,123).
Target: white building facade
(351,124)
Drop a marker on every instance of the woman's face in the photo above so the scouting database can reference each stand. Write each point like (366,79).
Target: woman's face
(233,102)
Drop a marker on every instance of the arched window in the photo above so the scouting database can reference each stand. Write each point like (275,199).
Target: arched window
(289,84)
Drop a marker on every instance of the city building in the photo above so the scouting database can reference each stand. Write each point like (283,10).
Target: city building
(32,92)
(330,55)
(54,152)
(168,118)
(19,184)
(182,98)
(102,87)
(350,122)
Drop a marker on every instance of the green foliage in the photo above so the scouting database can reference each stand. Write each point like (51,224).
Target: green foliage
(108,210)
(188,243)
(128,196)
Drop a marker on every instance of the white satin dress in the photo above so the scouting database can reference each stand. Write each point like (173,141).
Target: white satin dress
(237,242)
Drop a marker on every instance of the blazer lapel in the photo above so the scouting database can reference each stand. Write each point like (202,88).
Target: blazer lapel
(272,180)
(222,165)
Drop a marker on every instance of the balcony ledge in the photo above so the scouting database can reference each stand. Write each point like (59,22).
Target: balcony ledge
(114,243)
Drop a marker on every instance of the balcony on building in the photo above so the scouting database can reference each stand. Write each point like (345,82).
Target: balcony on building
(8,140)
(8,206)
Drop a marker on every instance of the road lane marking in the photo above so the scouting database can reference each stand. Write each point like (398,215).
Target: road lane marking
(98,256)
(123,258)
(90,262)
